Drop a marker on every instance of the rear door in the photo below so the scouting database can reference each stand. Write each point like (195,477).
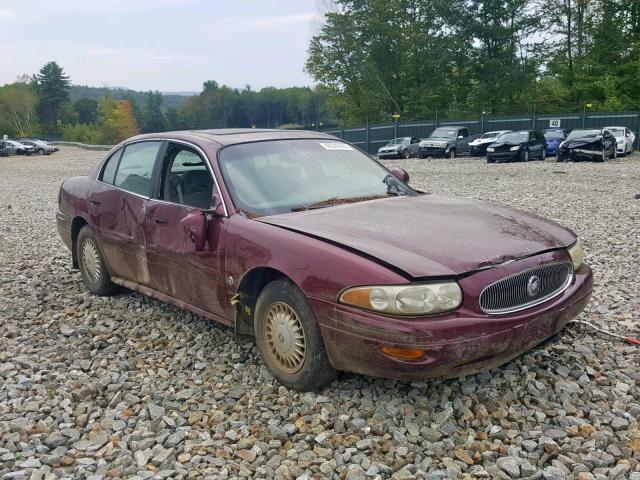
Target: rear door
(117,206)
(176,268)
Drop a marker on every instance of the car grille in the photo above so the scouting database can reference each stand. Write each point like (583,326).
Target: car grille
(526,289)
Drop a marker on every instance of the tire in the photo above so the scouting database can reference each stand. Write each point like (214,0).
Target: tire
(543,155)
(40,151)
(450,154)
(490,160)
(614,154)
(422,156)
(283,308)
(92,265)
(524,156)
(405,154)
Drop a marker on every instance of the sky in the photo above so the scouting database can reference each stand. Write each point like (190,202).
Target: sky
(166,45)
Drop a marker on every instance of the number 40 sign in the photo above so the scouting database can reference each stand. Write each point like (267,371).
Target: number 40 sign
(554,123)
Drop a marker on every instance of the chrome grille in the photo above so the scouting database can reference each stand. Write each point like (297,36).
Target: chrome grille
(526,289)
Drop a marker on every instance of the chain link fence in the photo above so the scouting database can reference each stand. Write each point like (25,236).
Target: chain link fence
(371,137)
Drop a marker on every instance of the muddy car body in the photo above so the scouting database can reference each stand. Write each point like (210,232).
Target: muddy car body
(595,144)
(382,280)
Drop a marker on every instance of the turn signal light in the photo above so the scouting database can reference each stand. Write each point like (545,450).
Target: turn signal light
(403,353)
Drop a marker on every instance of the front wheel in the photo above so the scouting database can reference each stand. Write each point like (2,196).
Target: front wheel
(40,151)
(543,155)
(524,156)
(289,339)
(451,153)
(92,265)
(405,154)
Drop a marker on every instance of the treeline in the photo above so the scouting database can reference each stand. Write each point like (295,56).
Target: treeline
(42,104)
(457,58)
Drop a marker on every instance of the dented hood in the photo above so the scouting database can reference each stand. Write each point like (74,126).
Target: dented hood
(430,235)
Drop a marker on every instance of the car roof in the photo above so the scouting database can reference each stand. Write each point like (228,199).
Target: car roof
(232,136)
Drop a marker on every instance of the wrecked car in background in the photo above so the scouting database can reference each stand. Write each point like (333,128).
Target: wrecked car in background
(331,261)
(590,144)
(447,142)
(403,147)
(478,147)
(520,146)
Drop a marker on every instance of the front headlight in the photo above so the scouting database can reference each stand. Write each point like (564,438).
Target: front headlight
(490,149)
(425,299)
(516,148)
(576,252)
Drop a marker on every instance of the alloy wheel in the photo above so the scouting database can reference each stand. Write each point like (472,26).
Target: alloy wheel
(90,258)
(285,339)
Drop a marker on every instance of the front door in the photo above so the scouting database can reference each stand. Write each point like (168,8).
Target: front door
(176,268)
(117,206)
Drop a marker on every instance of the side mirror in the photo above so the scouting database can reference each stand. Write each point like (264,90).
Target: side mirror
(195,226)
(401,174)
(460,137)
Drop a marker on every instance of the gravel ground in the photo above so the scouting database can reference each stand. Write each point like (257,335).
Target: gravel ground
(129,387)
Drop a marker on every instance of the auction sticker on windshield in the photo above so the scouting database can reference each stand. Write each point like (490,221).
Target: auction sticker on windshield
(335,146)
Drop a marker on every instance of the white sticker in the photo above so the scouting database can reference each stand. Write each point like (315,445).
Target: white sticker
(336,146)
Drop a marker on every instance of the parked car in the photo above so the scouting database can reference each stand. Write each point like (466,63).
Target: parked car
(403,147)
(478,147)
(3,149)
(16,148)
(554,137)
(40,147)
(278,235)
(519,146)
(588,144)
(446,142)
(624,139)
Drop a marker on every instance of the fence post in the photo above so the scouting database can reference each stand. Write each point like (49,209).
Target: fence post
(395,129)
(637,128)
(342,133)
(368,138)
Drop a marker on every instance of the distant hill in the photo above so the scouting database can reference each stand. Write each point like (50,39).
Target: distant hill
(169,99)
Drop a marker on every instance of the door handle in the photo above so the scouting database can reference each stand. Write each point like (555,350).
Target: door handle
(160,221)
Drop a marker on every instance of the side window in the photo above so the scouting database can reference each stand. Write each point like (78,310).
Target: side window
(464,132)
(415,140)
(135,171)
(110,167)
(187,179)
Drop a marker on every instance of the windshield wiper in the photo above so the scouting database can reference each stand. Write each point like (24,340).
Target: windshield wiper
(335,201)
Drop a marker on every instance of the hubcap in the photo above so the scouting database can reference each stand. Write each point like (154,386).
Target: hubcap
(286,342)
(90,260)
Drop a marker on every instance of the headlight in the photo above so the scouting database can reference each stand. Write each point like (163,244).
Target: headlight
(513,149)
(426,299)
(490,149)
(576,252)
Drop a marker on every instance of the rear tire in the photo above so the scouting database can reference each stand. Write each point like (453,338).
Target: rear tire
(289,338)
(40,151)
(92,265)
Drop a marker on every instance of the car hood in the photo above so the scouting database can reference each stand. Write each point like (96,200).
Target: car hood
(430,235)
(579,142)
(482,141)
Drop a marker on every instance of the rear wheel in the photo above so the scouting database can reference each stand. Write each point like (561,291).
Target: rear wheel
(289,339)
(92,265)
(41,151)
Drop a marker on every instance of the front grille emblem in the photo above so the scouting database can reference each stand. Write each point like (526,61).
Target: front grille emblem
(533,285)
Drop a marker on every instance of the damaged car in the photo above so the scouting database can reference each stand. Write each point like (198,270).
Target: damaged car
(478,147)
(329,260)
(588,144)
(403,147)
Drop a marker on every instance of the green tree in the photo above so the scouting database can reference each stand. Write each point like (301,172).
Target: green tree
(87,110)
(53,89)
(18,114)
(153,120)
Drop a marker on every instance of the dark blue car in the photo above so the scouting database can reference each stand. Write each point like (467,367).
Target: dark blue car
(554,137)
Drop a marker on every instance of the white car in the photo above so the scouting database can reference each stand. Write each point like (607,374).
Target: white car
(624,139)
(478,147)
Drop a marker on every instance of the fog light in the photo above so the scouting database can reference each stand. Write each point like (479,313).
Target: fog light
(403,353)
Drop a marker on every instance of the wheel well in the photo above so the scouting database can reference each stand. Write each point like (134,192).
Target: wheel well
(247,296)
(76,226)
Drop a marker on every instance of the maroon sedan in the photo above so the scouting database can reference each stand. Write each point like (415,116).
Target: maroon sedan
(331,261)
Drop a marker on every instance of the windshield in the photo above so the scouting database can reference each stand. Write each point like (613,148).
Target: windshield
(444,132)
(616,132)
(278,176)
(515,137)
(583,133)
(398,141)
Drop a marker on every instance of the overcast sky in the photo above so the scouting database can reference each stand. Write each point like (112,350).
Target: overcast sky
(168,45)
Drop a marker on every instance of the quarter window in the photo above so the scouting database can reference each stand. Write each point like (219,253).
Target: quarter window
(135,172)
(110,167)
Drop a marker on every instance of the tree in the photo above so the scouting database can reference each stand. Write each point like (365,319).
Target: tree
(53,88)
(18,104)
(121,122)
(87,110)
(153,120)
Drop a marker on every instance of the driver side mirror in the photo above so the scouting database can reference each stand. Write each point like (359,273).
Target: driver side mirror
(460,137)
(401,174)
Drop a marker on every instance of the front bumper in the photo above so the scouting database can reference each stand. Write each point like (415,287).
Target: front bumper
(576,154)
(391,154)
(503,156)
(478,150)
(432,151)
(464,342)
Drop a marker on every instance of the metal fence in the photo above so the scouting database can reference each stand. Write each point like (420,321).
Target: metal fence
(373,136)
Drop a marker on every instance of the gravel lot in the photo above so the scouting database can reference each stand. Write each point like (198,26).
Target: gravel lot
(129,387)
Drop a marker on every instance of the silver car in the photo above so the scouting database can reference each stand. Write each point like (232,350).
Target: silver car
(40,147)
(402,147)
(16,148)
